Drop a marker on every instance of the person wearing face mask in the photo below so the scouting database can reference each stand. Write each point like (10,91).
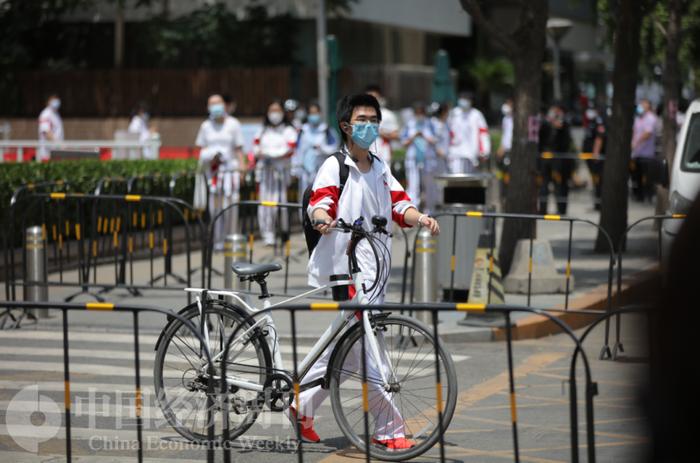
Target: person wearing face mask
(139,126)
(369,190)
(503,152)
(220,160)
(50,126)
(440,113)
(294,113)
(643,150)
(317,141)
(389,129)
(594,143)
(419,140)
(273,146)
(555,137)
(470,137)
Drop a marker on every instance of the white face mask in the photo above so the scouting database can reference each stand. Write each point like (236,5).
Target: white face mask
(591,114)
(464,103)
(55,103)
(275,117)
(506,109)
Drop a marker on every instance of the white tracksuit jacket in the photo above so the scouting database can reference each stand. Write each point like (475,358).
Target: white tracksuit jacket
(328,258)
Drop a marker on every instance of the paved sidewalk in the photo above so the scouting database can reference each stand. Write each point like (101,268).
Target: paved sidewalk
(588,269)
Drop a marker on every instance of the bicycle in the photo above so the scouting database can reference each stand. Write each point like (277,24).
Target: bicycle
(401,348)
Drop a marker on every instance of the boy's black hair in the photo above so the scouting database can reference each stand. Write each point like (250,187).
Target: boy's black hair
(347,105)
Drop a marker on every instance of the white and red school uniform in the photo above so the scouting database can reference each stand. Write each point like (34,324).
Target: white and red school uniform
(469,140)
(50,122)
(272,147)
(221,138)
(364,194)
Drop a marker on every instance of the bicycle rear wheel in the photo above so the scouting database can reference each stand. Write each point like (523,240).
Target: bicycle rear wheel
(181,381)
(410,409)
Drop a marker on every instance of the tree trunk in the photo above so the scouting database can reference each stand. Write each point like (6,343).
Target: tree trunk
(613,214)
(671,79)
(522,191)
(525,47)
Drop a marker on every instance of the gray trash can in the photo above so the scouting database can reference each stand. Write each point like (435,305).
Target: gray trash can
(461,193)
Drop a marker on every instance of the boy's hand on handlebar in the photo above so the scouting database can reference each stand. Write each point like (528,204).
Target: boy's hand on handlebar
(325,227)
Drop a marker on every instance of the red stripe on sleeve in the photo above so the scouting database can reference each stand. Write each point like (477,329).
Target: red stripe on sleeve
(398,196)
(332,192)
(399,219)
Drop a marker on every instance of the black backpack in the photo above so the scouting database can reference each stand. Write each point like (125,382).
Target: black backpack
(310,233)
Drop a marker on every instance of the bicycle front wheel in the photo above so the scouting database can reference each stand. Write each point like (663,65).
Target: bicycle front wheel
(410,407)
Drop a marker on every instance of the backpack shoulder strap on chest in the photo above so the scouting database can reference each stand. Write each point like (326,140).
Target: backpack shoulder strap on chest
(344,169)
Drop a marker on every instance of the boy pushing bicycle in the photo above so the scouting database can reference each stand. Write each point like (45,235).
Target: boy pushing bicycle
(370,190)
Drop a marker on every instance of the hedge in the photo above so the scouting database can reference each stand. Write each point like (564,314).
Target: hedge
(83,177)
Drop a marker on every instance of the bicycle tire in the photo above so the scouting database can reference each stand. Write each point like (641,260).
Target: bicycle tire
(448,377)
(237,317)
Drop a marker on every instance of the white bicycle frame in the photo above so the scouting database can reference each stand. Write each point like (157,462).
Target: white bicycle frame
(331,333)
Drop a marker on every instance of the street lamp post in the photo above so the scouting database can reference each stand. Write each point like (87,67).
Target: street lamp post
(557,29)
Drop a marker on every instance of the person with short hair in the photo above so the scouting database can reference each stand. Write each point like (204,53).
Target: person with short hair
(316,142)
(389,128)
(50,126)
(370,190)
(220,159)
(470,142)
(643,150)
(419,140)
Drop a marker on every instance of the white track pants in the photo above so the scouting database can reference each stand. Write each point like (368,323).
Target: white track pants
(387,419)
(274,180)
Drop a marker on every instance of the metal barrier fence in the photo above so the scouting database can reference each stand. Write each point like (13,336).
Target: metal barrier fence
(138,396)
(534,218)
(83,232)
(220,401)
(248,226)
(606,352)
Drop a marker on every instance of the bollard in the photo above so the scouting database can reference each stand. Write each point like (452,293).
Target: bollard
(36,271)
(425,279)
(234,251)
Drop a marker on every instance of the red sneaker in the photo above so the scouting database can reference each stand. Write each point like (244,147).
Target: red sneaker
(397,443)
(307,426)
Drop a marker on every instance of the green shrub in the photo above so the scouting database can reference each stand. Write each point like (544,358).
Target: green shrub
(83,177)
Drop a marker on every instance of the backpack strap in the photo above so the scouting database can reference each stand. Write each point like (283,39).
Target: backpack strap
(343,171)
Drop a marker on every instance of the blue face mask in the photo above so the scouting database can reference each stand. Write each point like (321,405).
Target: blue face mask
(314,119)
(216,110)
(640,109)
(364,133)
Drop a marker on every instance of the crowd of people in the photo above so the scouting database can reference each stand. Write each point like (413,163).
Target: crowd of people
(294,140)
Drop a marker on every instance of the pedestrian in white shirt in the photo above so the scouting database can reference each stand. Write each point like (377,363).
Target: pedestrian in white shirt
(50,127)
(419,140)
(317,141)
(389,128)
(139,125)
(503,153)
(440,113)
(220,160)
(273,147)
(470,137)
(369,190)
